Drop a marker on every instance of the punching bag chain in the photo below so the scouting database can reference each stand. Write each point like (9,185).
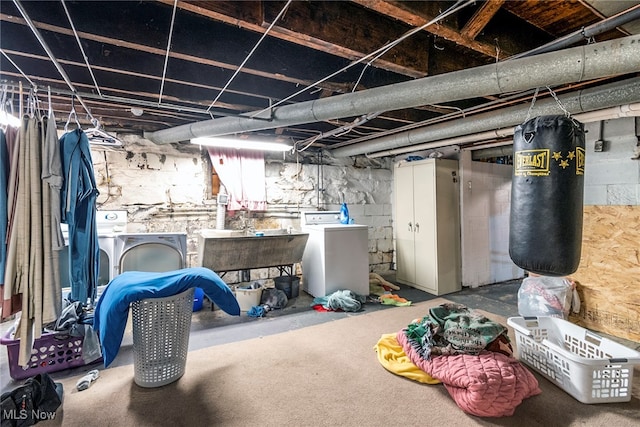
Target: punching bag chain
(559,103)
(533,101)
(566,112)
(553,94)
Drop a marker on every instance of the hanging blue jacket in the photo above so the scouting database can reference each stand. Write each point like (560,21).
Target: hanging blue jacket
(112,309)
(78,202)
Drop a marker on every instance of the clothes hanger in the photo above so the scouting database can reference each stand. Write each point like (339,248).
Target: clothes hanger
(72,114)
(3,105)
(97,136)
(33,104)
(50,110)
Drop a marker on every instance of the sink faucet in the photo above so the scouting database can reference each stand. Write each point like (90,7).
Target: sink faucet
(247,223)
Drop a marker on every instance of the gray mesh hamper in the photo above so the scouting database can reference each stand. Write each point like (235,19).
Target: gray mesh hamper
(161,338)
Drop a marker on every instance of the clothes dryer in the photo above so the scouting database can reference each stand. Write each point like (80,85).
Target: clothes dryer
(151,252)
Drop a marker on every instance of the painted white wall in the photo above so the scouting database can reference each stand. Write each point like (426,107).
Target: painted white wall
(485,197)
(612,177)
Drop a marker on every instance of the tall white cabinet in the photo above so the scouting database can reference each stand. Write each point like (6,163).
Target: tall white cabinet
(427,225)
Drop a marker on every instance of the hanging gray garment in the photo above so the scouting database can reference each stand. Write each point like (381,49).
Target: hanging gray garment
(50,287)
(52,175)
(4,182)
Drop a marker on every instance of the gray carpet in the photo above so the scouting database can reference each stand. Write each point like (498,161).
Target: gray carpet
(321,375)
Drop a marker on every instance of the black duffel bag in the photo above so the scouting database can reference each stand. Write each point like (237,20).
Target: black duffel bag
(36,400)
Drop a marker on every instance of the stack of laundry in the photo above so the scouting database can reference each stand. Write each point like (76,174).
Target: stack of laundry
(467,352)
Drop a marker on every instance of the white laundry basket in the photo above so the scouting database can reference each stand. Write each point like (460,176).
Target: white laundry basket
(161,338)
(590,368)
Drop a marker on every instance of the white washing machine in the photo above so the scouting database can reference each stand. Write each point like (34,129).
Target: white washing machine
(336,256)
(152,252)
(108,224)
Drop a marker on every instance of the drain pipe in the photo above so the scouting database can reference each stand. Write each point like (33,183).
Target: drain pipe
(604,59)
(636,152)
(222,201)
(605,96)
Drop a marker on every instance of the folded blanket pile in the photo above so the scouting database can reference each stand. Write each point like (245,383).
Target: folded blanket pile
(489,384)
(470,354)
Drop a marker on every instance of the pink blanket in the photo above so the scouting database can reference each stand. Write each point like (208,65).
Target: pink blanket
(487,385)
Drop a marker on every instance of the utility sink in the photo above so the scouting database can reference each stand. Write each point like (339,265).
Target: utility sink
(229,250)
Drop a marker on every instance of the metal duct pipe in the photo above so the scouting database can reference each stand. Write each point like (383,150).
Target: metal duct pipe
(628,110)
(604,96)
(604,59)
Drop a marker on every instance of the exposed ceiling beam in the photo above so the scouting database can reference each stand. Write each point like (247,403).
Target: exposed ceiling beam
(323,26)
(124,73)
(401,12)
(341,88)
(481,18)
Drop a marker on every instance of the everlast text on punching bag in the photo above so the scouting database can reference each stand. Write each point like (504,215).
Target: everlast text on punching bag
(547,192)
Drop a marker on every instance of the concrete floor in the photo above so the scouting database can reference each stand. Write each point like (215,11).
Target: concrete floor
(214,327)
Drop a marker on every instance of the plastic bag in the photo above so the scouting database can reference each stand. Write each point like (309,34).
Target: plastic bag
(545,296)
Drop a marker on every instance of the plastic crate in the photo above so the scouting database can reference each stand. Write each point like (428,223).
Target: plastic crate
(590,368)
(50,353)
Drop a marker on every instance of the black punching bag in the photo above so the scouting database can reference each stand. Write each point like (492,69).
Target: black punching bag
(547,192)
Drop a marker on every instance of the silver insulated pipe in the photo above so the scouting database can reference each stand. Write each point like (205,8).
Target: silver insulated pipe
(605,96)
(592,61)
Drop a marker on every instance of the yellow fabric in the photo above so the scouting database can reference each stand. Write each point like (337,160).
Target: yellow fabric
(392,299)
(393,358)
(378,285)
(375,289)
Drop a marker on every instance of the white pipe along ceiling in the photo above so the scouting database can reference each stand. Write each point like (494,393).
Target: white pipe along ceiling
(628,110)
(592,61)
(605,96)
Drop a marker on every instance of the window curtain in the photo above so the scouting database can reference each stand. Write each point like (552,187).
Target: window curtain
(242,172)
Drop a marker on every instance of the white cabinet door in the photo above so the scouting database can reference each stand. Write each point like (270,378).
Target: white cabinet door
(428,226)
(405,262)
(424,198)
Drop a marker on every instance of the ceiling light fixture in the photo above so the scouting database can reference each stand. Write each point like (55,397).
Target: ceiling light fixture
(241,144)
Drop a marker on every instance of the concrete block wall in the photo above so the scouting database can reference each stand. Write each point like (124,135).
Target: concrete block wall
(167,188)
